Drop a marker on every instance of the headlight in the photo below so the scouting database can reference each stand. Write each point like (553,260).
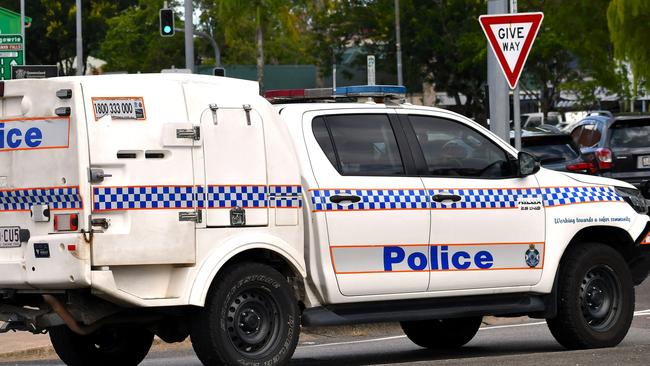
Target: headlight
(633,197)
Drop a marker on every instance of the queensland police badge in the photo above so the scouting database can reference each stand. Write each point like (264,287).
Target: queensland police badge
(532,256)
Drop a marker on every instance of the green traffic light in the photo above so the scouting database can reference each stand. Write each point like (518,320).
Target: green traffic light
(167,29)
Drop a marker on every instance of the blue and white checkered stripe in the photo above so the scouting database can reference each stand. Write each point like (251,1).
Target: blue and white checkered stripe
(60,198)
(371,199)
(285,196)
(237,196)
(558,196)
(484,198)
(153,197)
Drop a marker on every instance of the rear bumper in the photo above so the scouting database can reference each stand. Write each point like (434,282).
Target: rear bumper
(57,262)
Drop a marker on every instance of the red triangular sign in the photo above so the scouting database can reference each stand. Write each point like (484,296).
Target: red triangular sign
(511,37)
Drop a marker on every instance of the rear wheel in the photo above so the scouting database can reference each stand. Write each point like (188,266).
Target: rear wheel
(251,317)
(442,333)
(122,346)
(596,298)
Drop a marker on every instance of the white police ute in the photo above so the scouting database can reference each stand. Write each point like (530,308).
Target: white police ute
(183,206)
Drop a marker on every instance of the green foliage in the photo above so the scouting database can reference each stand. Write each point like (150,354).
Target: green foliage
(133,42)
(52,35)
(629,26)
(259,31)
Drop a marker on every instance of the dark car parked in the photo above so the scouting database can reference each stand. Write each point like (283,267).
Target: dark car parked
(557,152)
(621,146)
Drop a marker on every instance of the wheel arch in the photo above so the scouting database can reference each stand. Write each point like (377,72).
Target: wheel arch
(615,237)
(271,251)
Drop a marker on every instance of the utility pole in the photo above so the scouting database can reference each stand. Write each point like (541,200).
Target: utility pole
(498,88)
(516,113)
(22,29)
(189,35)
(80,50)
(398,42)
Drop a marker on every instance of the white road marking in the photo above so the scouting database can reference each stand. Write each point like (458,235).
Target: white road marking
(636,313)
(354,342)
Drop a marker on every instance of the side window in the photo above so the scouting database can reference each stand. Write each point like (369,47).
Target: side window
(359,144)
(324,139)
(576,133)
(454,149)
(591,136)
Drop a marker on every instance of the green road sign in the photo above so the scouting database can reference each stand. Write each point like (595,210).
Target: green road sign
(11,53)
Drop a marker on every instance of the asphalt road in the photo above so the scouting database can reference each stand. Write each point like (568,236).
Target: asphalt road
(514,344)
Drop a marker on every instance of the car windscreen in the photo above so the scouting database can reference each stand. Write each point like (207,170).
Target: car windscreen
(550,149)
(630,134)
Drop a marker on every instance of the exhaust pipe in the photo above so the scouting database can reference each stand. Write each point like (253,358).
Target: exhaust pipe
(67,317)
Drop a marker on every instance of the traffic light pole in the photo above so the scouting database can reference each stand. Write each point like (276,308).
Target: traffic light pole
(189,35)
(213,42)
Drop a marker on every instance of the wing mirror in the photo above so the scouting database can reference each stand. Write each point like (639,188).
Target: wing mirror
(527,163)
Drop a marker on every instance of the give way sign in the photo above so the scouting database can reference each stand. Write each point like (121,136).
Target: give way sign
(511,37)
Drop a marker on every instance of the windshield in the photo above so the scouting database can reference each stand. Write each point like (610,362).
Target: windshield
(631,135)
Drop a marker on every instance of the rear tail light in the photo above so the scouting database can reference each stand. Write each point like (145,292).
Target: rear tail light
(66,222)
(587,167)
(604,158)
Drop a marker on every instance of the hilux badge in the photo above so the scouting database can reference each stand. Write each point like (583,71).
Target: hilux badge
(532,256)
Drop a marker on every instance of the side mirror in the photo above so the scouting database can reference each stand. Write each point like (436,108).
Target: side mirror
(528,164)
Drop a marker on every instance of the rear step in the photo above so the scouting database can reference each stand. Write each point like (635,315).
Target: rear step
(423,309)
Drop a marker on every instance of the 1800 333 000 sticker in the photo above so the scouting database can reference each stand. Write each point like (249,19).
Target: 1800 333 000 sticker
(119,108)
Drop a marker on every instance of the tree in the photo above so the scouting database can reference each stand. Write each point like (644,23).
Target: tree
(133,42)
(239,18)
(52,34)
(442,43)
(629,27)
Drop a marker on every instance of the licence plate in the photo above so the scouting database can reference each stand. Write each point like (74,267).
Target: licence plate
(645,161)
(9,236)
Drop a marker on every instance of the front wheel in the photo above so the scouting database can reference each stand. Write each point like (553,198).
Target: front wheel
(442,333)
(250,318)
(124,346)
(596,298)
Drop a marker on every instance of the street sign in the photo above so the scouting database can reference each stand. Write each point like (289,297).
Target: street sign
(371,69)
(34,71)
(511,37)
(11,54)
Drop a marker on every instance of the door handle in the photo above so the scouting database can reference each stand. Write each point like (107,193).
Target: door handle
(446,197)
(341,198)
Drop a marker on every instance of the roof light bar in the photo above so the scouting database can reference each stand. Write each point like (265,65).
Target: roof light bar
(284,94)
(370,91)
(381,91)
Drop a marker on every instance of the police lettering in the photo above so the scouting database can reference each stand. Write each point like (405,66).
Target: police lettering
(441,259)
(14,138)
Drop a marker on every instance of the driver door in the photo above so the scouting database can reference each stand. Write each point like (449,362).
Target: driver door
(487,225)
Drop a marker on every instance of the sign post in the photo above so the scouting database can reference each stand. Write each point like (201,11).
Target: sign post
(371,69)
(11,54)
(511,37)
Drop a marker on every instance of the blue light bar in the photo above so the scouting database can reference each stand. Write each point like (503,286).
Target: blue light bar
(370,91)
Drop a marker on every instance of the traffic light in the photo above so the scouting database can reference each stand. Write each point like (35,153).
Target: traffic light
(166,22)
(219,71)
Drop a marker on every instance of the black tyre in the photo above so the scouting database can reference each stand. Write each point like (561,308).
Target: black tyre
(595,298)
(250,317)
(442,333)
(107,346)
